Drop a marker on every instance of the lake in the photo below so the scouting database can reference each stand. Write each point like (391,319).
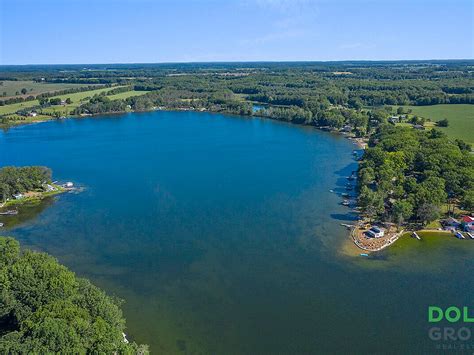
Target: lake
(222,236)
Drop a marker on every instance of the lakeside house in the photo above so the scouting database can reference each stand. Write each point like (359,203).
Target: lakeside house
(419,126)
(452,222)
(50,188)
(32,114)
(376,232)
(18,196)
(394,119)
(468,223)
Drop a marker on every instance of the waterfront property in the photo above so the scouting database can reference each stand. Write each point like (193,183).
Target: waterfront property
(376,232)
(373,237)
(468,223)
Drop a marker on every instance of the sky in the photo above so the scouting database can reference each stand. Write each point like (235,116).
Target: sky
(155,31)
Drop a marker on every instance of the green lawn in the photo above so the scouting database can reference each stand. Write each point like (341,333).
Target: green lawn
(460,117)
(33,88)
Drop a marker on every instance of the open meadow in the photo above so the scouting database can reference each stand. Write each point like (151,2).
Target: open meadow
(460,117)
(77,99)
(10,88)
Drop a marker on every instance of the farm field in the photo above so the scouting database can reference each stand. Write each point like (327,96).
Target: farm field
(75,97)
(11,87)
(460,117)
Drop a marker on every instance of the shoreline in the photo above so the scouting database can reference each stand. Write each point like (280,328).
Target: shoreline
(35,197)
(392,238)
(359,141)
(373,244)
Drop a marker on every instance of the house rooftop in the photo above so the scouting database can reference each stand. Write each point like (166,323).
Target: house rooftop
(468,219)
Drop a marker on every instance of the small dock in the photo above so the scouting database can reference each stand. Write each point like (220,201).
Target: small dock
(415,235)
(9,213)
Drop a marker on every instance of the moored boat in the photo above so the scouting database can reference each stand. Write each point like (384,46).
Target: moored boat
(9,212)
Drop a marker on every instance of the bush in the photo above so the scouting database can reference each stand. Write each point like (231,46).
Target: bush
(443,123)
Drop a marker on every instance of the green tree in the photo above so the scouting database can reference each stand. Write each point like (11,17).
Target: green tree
(428,212)
(55,101)
(371,202)
(45,308)
(402,211)
(467,201)
(443,123)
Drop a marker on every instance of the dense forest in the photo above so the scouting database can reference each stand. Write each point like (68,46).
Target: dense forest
(14,180)
(409,175)
(45,308)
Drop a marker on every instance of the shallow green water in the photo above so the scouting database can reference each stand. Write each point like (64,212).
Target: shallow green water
(221,235)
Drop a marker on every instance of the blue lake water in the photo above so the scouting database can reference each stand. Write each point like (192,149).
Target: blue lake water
(222,236)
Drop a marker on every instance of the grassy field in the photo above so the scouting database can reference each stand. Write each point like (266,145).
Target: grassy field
(11,87)
(76,98)
(460,117)
(124,95)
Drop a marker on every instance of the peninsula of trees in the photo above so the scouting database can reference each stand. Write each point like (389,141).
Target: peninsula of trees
(18,180)
(45,308)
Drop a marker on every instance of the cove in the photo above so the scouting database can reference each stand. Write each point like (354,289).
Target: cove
(221,235)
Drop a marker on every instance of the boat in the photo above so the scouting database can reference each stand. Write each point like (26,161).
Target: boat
(9,212)
(345,194)
(470,235)
(459,235)
(364,254)
(345,203)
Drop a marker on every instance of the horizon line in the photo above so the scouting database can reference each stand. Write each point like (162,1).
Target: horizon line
(248,61)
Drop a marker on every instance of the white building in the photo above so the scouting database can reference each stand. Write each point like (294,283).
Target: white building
(376,232)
